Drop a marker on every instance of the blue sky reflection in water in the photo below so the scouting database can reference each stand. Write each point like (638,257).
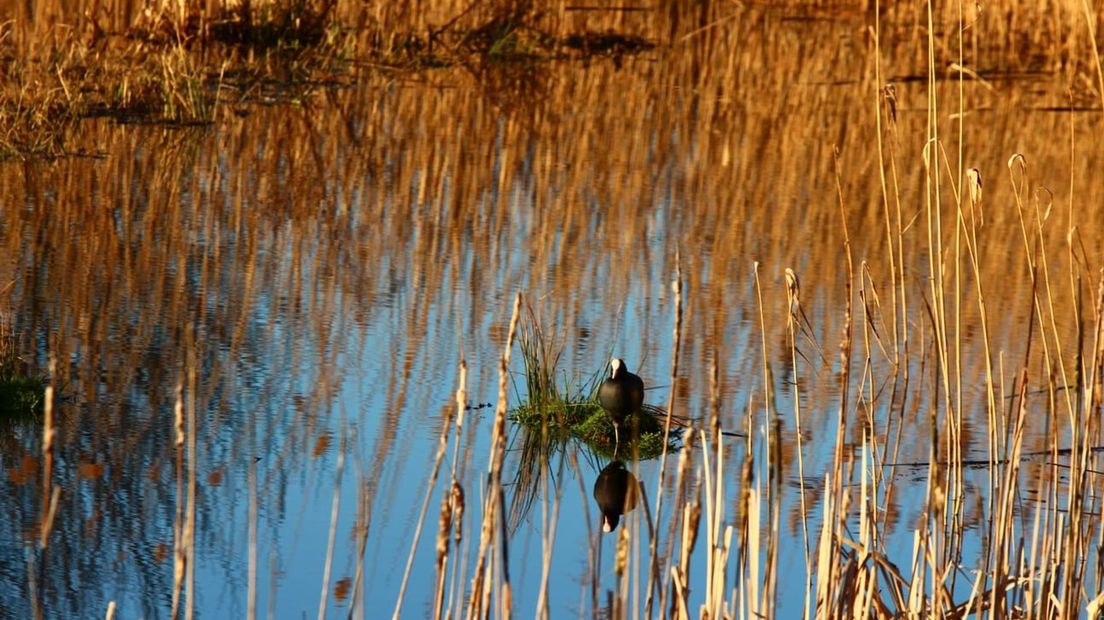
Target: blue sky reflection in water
(334,279)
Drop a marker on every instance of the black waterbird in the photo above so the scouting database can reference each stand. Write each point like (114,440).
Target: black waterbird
(621,396)
(615,490)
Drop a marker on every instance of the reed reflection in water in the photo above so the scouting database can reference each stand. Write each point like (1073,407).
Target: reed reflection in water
(321,271)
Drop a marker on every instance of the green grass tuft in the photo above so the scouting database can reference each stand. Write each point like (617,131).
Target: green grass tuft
(21,399)
(567,410)
(22,396)
(586,421)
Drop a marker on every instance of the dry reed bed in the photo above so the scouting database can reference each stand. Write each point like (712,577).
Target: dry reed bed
(608,159)
(177,62)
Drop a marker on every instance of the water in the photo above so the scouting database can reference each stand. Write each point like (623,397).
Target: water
(323,270)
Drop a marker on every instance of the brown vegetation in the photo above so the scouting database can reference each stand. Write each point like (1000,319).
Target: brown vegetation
(176,62)
(748,141)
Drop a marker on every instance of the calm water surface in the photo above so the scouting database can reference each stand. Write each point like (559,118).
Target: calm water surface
(323,270)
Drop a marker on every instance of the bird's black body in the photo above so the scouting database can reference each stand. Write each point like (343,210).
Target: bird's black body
(615,491)
(621,395)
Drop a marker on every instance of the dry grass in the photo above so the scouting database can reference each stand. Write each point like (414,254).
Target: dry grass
(938,311)
(174,63)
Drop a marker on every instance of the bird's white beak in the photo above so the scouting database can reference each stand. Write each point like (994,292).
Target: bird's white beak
(615,366)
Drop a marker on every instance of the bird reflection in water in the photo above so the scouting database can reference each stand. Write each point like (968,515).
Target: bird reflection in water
(616,491)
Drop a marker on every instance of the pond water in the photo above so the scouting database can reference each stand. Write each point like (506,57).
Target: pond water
(312,277)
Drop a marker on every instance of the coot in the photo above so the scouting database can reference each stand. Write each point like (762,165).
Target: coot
(621,396)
